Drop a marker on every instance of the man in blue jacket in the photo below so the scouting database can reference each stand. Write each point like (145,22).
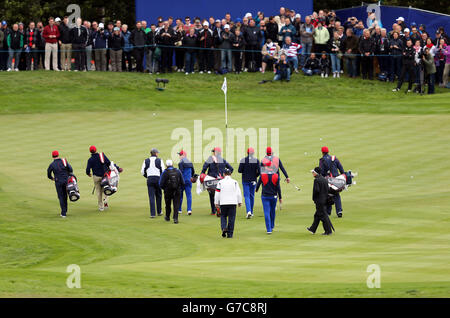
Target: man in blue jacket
(187,170)
(331,166)
(215,165)
(99,164)
(59,171)
(249,167)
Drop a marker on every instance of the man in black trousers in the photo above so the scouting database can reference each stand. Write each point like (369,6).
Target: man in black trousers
(172,183)
(320,196)
(59,171)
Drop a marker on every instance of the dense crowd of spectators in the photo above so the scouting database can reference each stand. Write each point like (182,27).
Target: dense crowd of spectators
(284,44)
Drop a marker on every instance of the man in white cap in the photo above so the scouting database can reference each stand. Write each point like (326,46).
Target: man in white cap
(401,22)
(206,43)
(172,183)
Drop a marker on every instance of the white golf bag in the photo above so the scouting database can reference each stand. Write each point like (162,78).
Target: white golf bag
(72,188)
(110,180)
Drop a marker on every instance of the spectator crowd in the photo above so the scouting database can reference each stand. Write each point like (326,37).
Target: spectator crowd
(286,43)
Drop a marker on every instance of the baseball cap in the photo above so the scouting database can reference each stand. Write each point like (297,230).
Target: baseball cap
(238,20)
(325,149)
(400,19)
(206,23)
(216,149)
(4,22)
(248,15)
(298,16)
(250,150)
(269,151)
(406,30)
(218,20)
(169,163)
(101,25)
(316,170)
(182,152)
(58,19)
(92,149)
(413,24)
(154,150)
(227,26)
(55,153)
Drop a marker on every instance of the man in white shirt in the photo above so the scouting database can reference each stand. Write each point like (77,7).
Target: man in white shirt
(228,195)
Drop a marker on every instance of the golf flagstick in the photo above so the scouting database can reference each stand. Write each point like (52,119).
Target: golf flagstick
(224,89)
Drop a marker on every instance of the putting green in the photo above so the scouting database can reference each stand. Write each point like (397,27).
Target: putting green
(397,216)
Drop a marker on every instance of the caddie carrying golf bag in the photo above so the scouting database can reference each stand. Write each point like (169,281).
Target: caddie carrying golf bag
(110,180)
(72,188)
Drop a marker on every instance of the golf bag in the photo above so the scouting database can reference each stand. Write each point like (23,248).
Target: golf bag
(338,184)
(110,180)
(383,76)
(341,182)
(206,182)
(72,188)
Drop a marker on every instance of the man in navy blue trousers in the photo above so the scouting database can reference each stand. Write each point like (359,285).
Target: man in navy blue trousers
(249,167)
(152,169)
(332,167)
(59,171)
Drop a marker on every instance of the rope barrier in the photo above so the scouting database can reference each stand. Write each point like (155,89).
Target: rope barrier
(190,48)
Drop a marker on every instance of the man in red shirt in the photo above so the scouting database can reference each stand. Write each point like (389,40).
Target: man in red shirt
(51,35)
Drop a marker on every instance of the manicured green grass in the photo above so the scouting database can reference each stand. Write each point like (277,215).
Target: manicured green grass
(396,216)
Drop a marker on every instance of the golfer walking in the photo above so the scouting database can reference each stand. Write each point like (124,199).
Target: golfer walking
(331,166)
(320,196)
(249,167)
(59,171)
(172,183)
(99,164)
(214,167)
(187,170)
(271,191)
(152,169)
(227,196)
